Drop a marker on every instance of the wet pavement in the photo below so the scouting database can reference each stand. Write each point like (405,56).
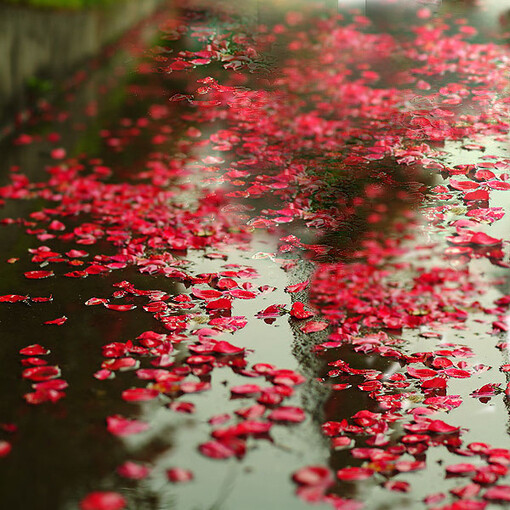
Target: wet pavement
(168,205)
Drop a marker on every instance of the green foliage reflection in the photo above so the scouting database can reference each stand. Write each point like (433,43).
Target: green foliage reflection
(62,4)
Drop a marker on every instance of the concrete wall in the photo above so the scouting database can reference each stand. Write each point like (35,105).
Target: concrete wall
(47,43)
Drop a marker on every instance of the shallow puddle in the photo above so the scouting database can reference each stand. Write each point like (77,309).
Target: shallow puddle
(266,280)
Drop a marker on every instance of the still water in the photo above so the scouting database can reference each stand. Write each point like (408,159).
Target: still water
(159,155)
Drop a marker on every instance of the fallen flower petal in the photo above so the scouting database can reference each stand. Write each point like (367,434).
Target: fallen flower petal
(460,469)
(313,475)
(354,473)
(498,493)
(96,301)
(397,486)
(219,304)
(441,427)
(120,426)
(298,287)
(139,394)
(298,312)
(224,449)
(103,501)
(133,470)
(34,350)
(314,326)
(223,347)
(12,298)
(179,475)
(41,373)
(246,389)
(58,321)
(5,448)
(290,414)
(119,308)
(37,275)
(207,294)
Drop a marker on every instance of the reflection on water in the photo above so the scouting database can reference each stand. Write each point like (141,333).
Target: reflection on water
(63,451)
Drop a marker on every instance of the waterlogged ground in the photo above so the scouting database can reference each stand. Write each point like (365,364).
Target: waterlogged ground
(263,262)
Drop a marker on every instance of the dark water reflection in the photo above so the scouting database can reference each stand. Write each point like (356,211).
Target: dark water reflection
(64,448)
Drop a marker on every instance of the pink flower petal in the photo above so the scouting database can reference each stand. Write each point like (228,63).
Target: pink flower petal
(103,501)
